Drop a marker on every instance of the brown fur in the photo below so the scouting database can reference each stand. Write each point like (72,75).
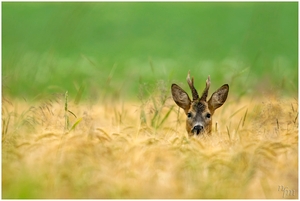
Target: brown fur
(199,111)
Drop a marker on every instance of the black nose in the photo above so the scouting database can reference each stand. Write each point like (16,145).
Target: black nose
(197,129)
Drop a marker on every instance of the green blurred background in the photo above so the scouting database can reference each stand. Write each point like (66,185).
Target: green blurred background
(100,50)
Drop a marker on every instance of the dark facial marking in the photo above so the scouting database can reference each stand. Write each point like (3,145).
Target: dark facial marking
(198,106)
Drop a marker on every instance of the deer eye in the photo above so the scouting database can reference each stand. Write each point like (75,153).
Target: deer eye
(189,115)
(208,115)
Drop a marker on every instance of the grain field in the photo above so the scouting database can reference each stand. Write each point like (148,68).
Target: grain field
(110,149)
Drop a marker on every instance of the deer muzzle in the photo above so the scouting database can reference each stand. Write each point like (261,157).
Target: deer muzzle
(197,129)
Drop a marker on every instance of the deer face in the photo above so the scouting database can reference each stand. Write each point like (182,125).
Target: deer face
(199,111)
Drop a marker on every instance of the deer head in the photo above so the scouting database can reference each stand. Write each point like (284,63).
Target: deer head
(199,111)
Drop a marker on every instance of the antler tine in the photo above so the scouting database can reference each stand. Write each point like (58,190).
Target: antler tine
(191,85)
(205,92)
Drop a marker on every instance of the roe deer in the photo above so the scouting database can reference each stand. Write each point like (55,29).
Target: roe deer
(199,111)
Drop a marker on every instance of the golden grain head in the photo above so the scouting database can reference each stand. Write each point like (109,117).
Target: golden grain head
(134,150)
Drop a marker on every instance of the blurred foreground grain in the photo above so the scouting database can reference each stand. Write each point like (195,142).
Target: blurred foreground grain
(134,150)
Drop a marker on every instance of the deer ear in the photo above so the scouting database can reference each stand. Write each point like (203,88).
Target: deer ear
(218,98)
(180,97)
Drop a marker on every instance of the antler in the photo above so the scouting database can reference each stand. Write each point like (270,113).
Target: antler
(205,92)
(191,85)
